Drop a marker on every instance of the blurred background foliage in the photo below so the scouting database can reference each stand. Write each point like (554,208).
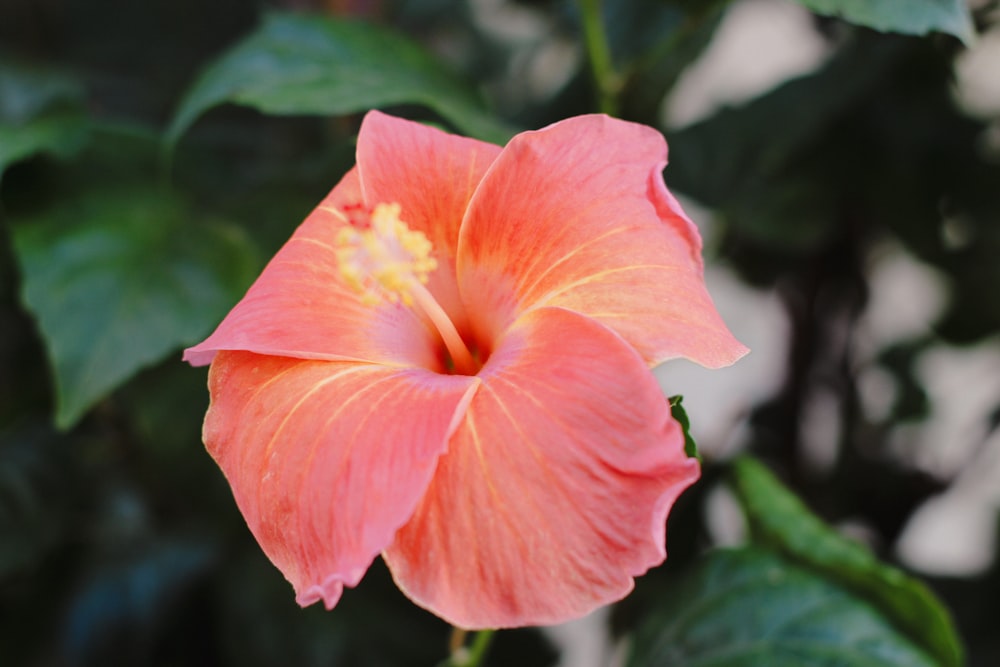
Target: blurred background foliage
(154,154)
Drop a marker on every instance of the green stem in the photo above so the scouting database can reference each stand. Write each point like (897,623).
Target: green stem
(471,656)
(606,81)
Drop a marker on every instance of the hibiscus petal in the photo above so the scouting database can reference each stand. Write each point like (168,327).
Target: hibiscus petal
(327,459)
(576,215)
(554,490)
(300,306)
(431,175)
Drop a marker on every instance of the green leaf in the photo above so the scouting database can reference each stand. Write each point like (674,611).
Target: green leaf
(118,279)
(655,42)
(26,90)
(738,151)
(772,168)
(61,132)
(750,607)
(299,64)
(779,519)
(678,412)
(40,111)
(913,17)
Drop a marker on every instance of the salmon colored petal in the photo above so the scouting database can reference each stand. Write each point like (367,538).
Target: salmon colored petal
(301,307)
(327,459)
(576,215)
(554,490)
(431,175)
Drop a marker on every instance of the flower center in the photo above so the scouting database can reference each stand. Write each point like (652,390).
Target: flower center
(383,259)
(380,256)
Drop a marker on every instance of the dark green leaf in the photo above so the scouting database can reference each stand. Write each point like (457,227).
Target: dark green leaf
(737,151)
(779,519)
(118,279)
(678,412)
(913,17)
(27,91)
(750,607)
(298,64)
(771,167)
(40,111)
(655,42)
(61,133)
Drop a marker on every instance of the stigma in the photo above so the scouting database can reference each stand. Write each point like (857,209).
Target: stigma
(380,256)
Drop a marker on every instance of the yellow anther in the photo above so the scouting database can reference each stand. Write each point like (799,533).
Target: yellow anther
(381,257)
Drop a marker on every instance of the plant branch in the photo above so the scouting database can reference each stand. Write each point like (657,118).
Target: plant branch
(606,80)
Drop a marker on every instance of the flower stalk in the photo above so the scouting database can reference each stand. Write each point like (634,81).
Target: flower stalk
(471,655)
(606,81)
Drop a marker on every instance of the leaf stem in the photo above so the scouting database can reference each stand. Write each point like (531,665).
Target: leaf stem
(606,81)
(471,656)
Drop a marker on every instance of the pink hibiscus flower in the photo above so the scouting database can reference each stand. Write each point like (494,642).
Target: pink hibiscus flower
(448,364)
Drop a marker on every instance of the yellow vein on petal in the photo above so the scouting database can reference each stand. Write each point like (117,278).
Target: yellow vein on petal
(613,315)
(298,404)
(673,318)
(543,463)
(477,444)
(314,444)
(568,429)
(316,242)
(575,251)
(521,391)
(602,274)
(340,409)
(501,506)
(569,224)
(556,389)
(255,396)
(271,443)
(333,211)
(350,442)
(566,225)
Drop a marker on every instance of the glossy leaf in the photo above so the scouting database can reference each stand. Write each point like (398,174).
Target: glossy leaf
(119,279)
(299,64)
(914,17)
(750,607)
(778,518)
